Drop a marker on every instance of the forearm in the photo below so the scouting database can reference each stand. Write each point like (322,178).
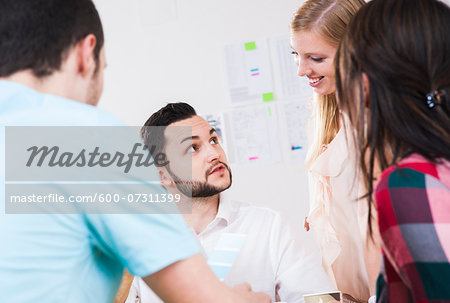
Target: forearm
(191,280)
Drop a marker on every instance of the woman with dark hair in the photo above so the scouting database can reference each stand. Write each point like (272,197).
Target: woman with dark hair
(393,81)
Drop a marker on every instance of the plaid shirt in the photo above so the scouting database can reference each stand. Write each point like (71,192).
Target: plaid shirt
(413,202)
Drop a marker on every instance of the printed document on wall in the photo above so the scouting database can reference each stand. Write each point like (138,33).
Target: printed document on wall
(255,135)
(288,83)
(295,115)
(248,72)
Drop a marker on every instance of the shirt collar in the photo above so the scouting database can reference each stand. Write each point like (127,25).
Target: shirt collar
(224,216)
(226,208)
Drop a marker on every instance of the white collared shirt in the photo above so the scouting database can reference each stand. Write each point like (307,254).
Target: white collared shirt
(273,258)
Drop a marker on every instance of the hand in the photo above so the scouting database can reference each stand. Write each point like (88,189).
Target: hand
(246,294)
(346,298)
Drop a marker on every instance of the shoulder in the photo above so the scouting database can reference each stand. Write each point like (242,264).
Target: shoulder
(265,224)
(414,172)
(254,219)
(412,192)
(261,213)
(24,106)
(336,157)
(79,113)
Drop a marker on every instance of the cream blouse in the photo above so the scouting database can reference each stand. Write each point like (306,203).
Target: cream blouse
(340,221)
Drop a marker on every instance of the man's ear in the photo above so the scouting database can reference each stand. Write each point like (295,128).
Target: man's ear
(366,89)
(166,179)
(85,55)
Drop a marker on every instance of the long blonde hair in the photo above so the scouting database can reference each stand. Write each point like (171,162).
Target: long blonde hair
(328,19)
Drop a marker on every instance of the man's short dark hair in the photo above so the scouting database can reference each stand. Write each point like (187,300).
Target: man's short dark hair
(37,34)
(171,113)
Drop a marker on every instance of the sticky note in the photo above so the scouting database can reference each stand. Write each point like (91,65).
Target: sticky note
(267,97)
(250,46)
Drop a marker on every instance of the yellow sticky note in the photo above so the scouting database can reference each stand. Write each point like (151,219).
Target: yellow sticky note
(250,45)
(267,97)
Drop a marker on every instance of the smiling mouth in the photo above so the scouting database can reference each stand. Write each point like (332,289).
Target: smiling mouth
(315,80)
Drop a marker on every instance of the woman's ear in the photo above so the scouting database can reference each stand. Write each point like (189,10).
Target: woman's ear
(366,89)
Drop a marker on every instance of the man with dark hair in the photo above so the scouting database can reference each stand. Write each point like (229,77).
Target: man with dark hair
(272,258)
(51,73)
(41,42)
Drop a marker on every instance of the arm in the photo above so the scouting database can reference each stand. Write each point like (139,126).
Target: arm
(412,208)
(191,280)
(392,241)
(124,287)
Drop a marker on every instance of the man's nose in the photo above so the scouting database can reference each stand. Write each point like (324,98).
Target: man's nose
(212,153)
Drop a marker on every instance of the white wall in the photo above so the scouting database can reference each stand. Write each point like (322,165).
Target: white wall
(176,54)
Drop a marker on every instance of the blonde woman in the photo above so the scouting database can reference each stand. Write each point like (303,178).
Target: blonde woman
(338,219)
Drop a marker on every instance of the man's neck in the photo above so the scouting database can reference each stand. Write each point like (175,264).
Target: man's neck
(55,84)
(204,210)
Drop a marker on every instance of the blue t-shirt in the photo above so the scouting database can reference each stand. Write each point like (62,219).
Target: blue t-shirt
(76,257)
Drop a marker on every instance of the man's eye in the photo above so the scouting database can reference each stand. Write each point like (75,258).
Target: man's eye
(192,149)
(214,140)
(294,53)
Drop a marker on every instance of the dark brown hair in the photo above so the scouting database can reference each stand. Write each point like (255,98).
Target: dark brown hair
(171,113)
(403,46)
(36,34)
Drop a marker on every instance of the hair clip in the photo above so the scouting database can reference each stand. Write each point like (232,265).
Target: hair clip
(436,98)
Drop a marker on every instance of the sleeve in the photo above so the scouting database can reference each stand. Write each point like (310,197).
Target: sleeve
(412,216)
(145,237)
(387,280)
(394,246)
(143,242)
(298,269)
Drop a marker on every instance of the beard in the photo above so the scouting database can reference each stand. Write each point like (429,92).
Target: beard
(198,189)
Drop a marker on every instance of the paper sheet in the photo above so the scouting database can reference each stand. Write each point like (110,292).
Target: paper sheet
(255,135)
(295,115)
(248,72)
